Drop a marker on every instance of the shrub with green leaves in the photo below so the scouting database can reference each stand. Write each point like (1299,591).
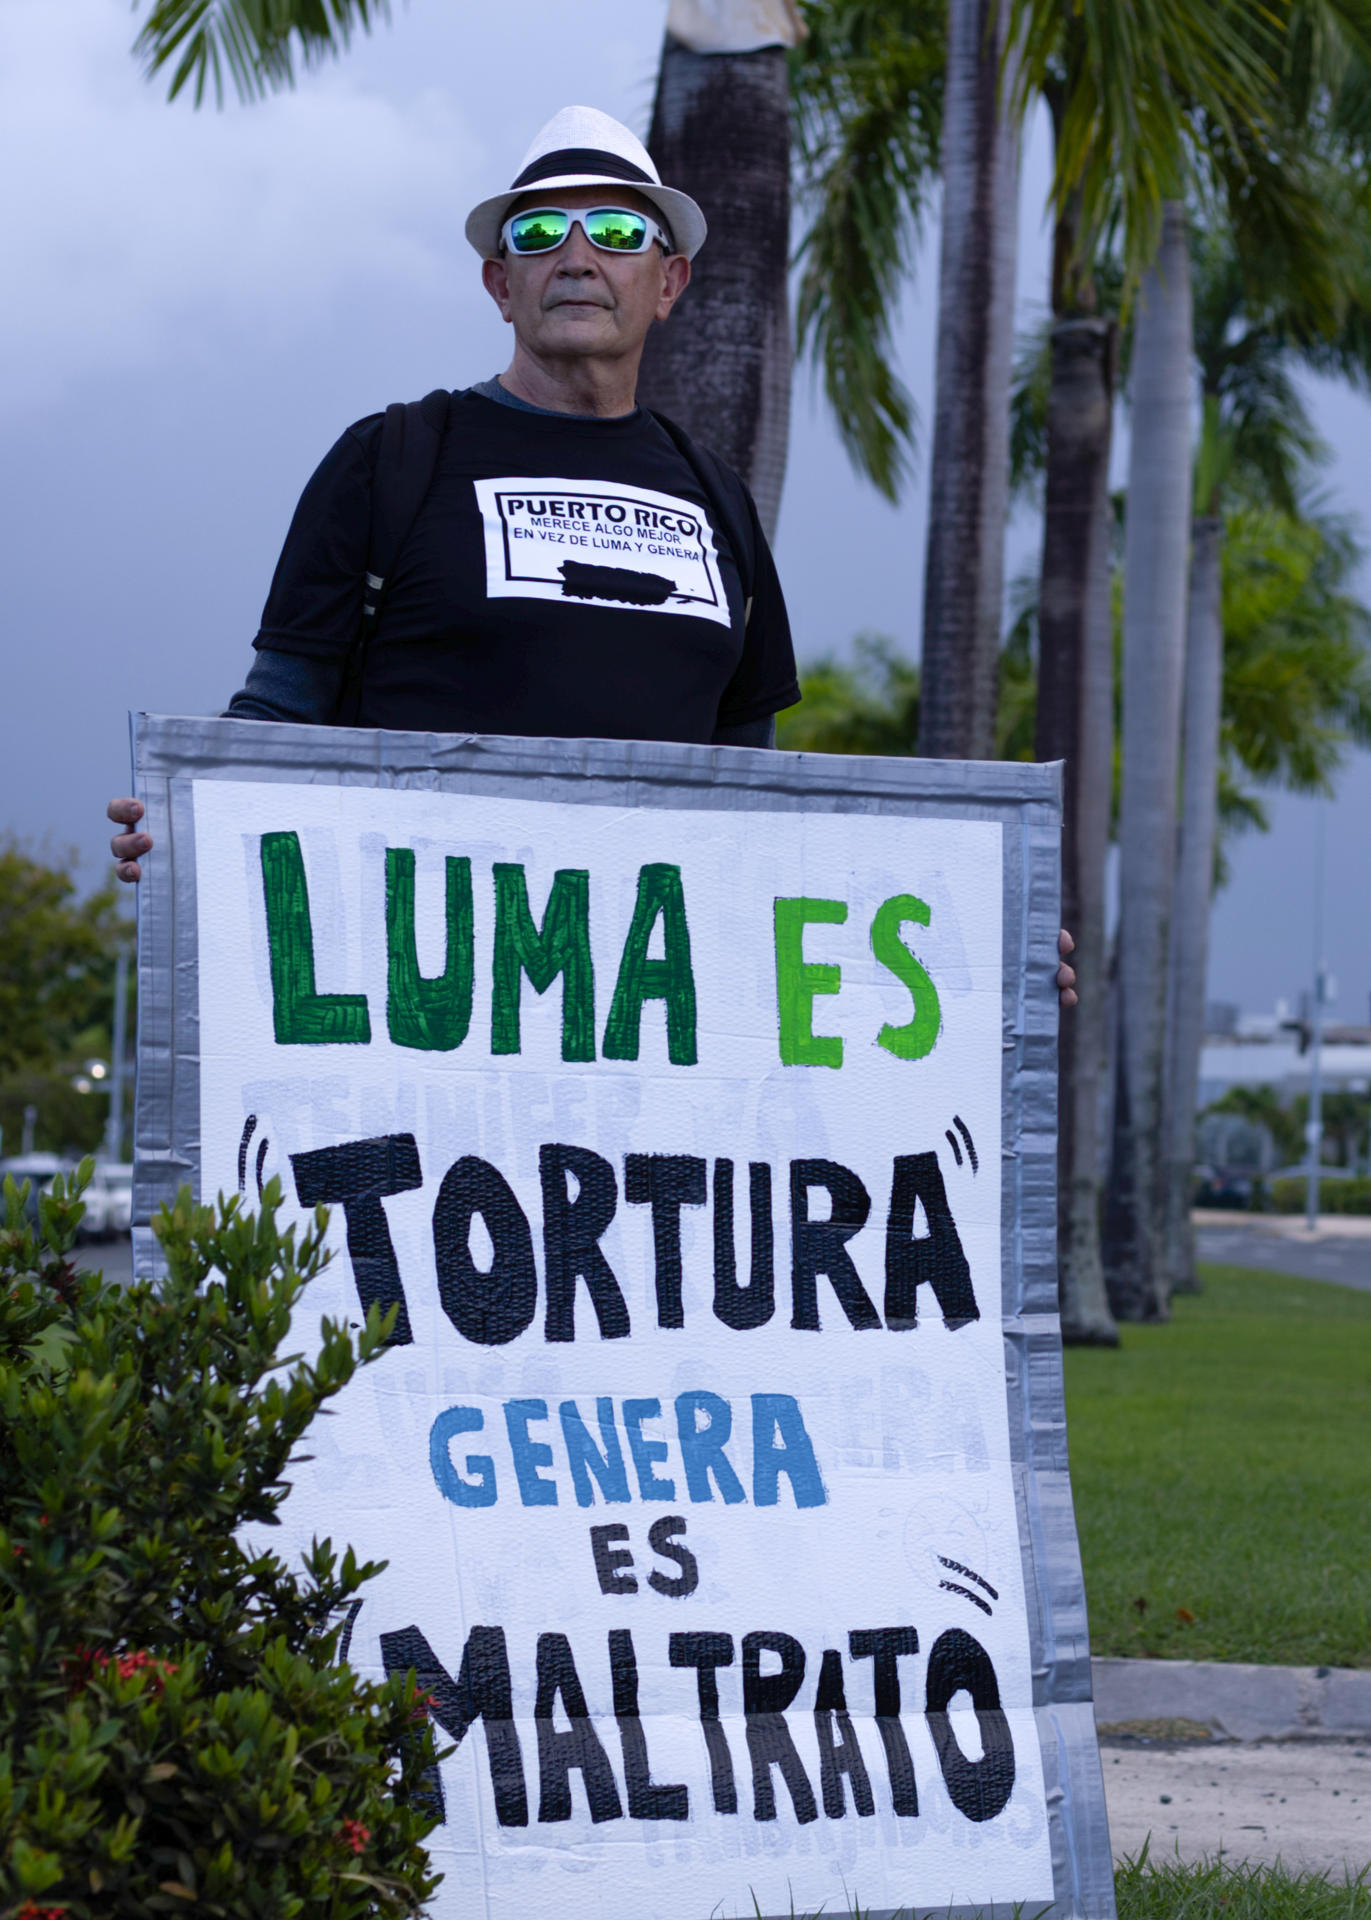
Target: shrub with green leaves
(176,1733)
(1335,1196)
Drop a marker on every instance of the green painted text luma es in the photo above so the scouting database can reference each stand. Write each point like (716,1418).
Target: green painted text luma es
(433,1013)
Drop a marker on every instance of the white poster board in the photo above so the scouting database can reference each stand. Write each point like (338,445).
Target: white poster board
(693,1108)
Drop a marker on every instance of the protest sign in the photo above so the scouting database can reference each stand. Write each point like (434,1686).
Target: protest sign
(694,1109)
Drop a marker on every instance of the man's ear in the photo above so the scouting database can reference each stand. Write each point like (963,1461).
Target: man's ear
(495,280)
(675,280)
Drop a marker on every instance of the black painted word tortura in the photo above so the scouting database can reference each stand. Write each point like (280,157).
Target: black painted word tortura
(495,1303)
(434,1014)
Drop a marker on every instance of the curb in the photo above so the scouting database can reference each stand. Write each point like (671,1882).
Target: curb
(1236,1702)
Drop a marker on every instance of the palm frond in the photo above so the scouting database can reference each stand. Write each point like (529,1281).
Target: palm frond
(257,44)
(867,89)
(1297,645)
(1326,66)
(1142,70)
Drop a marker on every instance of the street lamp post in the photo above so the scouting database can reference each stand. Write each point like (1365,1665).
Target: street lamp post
(114,1126)
(1313,1132)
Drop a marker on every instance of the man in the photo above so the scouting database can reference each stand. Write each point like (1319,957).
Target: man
(577,567)
(621,609)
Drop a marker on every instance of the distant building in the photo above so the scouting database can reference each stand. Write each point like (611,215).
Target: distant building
(1272,1050)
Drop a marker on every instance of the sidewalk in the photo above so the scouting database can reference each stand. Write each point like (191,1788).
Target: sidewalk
(1331,1226)
(1263,1763)
(1339,1249)
(1308,1806)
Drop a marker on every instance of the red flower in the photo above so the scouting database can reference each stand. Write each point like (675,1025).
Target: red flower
(86,1661)
(422,1703)
(356,1835)
(30,1912)
(128,1664)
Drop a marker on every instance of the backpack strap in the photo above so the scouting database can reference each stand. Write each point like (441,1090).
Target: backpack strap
(727,496)
(411,436)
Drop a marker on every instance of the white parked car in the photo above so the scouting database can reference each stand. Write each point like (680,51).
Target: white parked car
(109,1201)
(116,1178)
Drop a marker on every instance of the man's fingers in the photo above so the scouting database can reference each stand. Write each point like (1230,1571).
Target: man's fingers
(1066,982)
(126,847)
(1066,976)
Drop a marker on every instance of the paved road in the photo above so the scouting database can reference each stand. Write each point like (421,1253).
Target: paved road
(1307,1803)
(113,1258)
(1341,1257)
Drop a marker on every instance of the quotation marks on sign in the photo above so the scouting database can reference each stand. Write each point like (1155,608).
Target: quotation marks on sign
(260,1161)
(350,1613)
(965,1132)
(955,1566)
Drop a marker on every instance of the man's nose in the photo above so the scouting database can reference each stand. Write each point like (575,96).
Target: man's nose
(576,255)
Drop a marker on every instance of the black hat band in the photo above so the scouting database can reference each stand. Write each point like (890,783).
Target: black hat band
(581,160)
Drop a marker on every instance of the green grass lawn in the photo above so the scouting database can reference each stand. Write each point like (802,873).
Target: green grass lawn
(1160,1889)
(1165,1890)
(1222,1472)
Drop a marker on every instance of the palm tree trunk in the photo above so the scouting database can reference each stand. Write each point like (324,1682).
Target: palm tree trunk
(1076,724)
(969,475)
(1194,888)
(720,367)
(1157,533)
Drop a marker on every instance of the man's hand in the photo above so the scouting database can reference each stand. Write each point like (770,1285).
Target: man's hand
(1066,976)
(126,847)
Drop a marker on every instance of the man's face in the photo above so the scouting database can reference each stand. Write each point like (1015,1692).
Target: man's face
(578,301)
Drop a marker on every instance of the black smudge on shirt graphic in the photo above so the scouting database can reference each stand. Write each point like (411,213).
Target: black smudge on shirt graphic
(582,581)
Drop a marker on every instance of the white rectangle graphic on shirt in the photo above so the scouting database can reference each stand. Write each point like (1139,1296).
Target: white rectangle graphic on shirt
(599,544)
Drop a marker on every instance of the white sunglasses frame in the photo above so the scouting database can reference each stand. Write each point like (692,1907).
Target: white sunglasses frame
(576,217)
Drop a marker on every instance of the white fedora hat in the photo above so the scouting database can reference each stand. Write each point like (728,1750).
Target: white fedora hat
(582,147)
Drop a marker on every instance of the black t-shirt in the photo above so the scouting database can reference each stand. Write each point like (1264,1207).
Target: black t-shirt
(564,576)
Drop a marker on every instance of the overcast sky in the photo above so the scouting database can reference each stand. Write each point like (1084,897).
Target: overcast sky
(197,303)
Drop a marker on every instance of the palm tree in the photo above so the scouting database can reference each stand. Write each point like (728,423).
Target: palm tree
(1075,724)
(1270,601)
(1188,958)
(1217,116)
(721,131)
(1117,134)
(1119,124)
(1155,553)
(1255,322)
(969,469)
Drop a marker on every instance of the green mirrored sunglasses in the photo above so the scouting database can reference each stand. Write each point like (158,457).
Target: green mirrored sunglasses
(611,229)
